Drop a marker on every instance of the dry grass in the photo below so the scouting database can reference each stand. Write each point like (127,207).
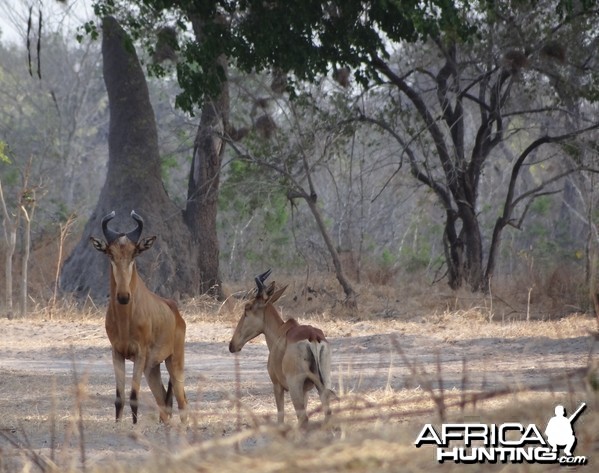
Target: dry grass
(63,421)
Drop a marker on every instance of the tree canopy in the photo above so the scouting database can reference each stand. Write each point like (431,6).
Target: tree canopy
(314,37)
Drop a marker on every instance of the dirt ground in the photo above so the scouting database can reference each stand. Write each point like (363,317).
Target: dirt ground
(57,383)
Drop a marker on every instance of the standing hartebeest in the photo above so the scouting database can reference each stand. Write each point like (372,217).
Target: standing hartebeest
(299,355)
(141,326)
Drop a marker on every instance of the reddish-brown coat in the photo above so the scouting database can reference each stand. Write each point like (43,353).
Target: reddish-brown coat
(297,332)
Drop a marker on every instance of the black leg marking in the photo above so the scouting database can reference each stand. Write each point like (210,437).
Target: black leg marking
(133,402)
(169,398)
(118,405)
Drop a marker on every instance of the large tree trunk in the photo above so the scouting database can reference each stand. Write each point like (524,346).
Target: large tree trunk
(202,201)
(201,210)
(133,182)
(204,177)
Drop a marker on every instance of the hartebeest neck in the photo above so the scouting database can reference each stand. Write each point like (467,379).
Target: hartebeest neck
(272,324)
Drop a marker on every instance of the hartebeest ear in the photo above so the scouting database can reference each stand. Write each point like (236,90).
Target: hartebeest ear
(99,244)
(269,290)
(275,297)
(145,244)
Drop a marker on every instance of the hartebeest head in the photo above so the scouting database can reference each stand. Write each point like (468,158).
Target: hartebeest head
(122,248)
(252,321)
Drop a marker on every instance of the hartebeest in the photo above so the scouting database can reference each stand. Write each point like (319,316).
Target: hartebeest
(299,355)
(141,326)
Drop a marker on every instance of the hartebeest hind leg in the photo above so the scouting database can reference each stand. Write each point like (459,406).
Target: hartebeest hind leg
(154,380)
(280,402)
(298,398)
(174,367)
(325,399)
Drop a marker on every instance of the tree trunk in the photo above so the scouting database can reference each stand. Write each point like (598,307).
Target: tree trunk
(11,243)
(204,177)
(10,237)
(454,251)
(473,245)
(350,295)
(202,192)
(27,215)
(133,182)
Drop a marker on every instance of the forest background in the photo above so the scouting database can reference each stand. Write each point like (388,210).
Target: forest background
(338,168)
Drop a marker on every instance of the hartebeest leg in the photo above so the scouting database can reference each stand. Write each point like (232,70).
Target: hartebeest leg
(138,366)
(155,382)
(298,398)
(169,398)
(280,401)
(118,363)
(174,367)
(325,399)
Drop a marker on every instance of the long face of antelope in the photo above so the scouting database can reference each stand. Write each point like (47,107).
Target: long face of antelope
(121,253)
(249,326)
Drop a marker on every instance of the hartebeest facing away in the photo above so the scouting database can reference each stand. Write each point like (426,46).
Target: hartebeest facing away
(141,326)
(299,355)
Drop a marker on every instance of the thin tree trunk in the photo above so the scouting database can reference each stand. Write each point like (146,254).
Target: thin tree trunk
(10,238)
(25,260)
(454,251)
(350,294)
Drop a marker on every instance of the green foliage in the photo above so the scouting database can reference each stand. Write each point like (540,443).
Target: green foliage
(9,171)
(168,162)
(3,156)
(90,29)
(541,206)
(307,38)
(388,259)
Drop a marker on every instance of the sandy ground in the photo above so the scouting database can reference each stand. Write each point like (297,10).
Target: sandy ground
(57,384)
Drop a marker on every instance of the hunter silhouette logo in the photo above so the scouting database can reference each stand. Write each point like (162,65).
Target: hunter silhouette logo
(559,430)
(511,442)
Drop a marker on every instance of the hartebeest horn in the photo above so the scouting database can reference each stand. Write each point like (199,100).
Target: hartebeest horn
(109,234)
(134,235)
(260,280)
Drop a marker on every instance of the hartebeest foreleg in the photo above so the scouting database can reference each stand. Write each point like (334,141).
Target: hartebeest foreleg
(138,369)
(118,362)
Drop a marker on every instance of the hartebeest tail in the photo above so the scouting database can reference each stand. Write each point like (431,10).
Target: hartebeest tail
(140,325)
(300,355)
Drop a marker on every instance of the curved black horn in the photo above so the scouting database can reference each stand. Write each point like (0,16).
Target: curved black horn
(109,234)
(260,280)
(134,235)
